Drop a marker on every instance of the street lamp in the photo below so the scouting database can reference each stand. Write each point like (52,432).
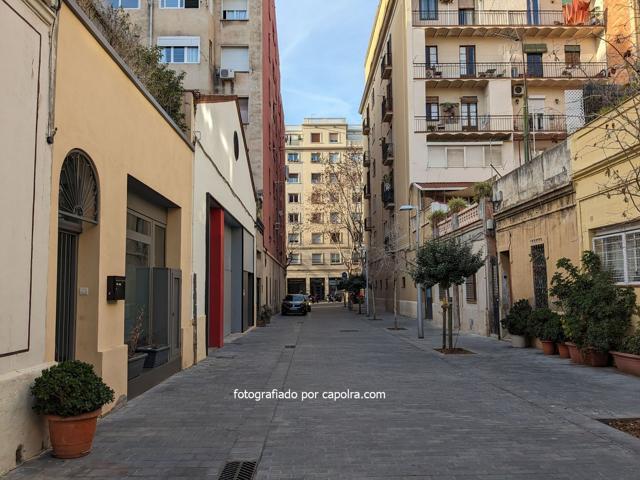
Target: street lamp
(409,208)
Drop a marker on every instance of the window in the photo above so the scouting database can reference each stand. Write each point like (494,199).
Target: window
(315,158)
(466,16)
(316,218)
(316,197)
(433,108)
(470,289)
(294,178)
(243,102)
(355,217)
(620,253)
(336,237)
(431,54)
(333,178)
(125,3)
(317,238)
(294,198)
(316,178)
(235,58)
(334,137)
(294,238)
(295,258)
(469,112)
(572,55)
(455,157)
(335,259)
(294,218)
(428,9)
(334,157)
(179,3)
(293,157)
(493,155)
(235,10)
(335,217)
(179,49)
(317,258)
(467,61)
(404,282)
(316,138)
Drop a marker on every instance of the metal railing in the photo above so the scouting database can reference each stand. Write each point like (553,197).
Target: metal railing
(480,70)
(387,193)
(540,122)
(455,123)
(387,108)
(386,65)
(387,153)
(488,18)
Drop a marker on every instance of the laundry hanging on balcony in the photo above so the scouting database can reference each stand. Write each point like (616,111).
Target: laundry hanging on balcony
(575,12)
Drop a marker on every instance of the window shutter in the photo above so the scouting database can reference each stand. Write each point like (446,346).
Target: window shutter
(235,58)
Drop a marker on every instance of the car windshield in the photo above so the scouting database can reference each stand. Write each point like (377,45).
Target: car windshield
(295,298)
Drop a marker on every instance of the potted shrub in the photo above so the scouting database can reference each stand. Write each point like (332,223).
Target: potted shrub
(156,355)
(627,357)
(597,311)
(456,205)
(547,327)
(517,323)
(71,396)
(563,349)
(136,359)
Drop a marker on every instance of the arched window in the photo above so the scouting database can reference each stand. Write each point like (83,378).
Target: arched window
(78,194)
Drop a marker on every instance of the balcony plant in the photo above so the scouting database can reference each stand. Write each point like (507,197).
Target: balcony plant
(136,360)
(456,205)
(597,312)
(482,190)
(546,325)
(517,323)
(627,356)
(70,396)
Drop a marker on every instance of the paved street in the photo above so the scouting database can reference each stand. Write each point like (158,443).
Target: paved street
(499,414)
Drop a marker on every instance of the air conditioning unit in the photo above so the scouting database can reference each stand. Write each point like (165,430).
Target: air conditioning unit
(227,74)
(517,91)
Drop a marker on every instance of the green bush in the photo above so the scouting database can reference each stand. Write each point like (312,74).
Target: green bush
(68,389)
(597,312)
(631,344)
(517,322)
(544,323)
(552,330)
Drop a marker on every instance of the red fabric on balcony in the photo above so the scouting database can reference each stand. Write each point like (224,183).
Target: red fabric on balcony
(575,12)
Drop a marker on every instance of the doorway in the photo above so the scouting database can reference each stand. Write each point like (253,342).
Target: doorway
(66,291)
(534,65)
(317,288)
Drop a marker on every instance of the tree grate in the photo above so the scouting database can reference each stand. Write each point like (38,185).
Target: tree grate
(238,471)
(349,331)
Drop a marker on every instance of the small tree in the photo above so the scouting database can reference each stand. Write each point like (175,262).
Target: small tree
(445,263)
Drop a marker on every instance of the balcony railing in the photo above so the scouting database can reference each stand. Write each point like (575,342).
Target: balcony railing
(368,226)
(387,109)
(386,65)
(488,18)
(483,70)
(454,123)
(366,160)
(365,126)
(387,195)
(387,153)
(539,122)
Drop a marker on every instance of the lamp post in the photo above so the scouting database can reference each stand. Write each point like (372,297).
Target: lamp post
(409,208)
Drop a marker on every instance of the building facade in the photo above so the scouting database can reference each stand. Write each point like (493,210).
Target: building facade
(460,92)
(25,170)
(324,204)
(230,47)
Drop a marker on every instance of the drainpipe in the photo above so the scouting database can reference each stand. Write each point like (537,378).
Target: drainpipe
(150,8)
(53,41)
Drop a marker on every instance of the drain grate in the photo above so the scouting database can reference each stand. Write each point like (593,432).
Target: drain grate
(349,331)
(238,471)
(289,346)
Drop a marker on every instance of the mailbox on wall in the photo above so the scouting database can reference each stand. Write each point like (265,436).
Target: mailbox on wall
(115,288)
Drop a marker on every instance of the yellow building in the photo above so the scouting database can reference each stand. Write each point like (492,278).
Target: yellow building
(320,246)
(606,169)
(459,92)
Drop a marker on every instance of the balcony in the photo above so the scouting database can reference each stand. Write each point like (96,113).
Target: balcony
(366,160)
(387,195)
(450,126)
(386,66)
(472,214)
(455,23)
(457,74)
(368,225)
(542,125)
(366,129)
(367,192)
(387,109)
(387,153)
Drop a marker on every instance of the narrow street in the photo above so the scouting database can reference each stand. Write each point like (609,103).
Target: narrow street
(501,413)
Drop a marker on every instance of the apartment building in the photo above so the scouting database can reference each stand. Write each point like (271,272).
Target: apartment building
(324,204)
(230,47)
(459,92)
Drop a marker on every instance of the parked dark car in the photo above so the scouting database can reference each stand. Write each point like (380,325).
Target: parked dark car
(296,304)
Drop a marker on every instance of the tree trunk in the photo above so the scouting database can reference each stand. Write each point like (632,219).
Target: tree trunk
(395,302)
(450,324)
(444,325)
(372,300)
(456,304)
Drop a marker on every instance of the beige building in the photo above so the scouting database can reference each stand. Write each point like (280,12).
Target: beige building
(459,92)
(230,47)
(324,204)
(25,173)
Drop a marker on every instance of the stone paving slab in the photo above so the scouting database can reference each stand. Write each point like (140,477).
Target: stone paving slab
(502,413)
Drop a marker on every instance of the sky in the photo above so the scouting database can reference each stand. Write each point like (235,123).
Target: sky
(322,49)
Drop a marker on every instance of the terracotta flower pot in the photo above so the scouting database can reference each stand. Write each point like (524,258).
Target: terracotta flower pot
(72,437)
(575,353)
(563,350)
(627,362)
(597,359)
(548,347)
